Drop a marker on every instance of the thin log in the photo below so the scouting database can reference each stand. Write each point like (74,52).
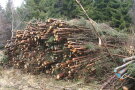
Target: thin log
(128,59)
(123,66)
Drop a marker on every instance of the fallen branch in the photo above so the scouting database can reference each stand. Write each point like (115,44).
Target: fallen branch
(107,82)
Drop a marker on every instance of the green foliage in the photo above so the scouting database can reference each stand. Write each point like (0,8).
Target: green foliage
(51,39)
(91,46)
(103,67)
(115,12)
(104,29)
(131,69)
(110,32)
(4,58)
(43,9)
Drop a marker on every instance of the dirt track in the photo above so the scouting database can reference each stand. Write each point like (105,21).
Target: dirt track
(11,79)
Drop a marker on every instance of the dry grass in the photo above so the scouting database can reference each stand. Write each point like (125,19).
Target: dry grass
(12,79)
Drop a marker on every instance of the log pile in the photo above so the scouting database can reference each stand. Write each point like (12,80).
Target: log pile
(54,48)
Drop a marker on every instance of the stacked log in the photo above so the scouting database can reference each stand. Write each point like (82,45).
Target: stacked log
(53,47)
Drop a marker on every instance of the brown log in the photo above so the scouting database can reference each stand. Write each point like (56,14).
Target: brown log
(90,65)
(75,66)
(61,75)
(125,88)
(62,65)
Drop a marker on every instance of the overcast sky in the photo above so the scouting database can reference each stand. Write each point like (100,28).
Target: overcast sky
(17,3)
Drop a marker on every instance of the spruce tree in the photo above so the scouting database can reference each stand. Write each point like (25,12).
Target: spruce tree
(61,8)
(113,11)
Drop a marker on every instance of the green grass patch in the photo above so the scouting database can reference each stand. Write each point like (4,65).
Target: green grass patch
(131,69)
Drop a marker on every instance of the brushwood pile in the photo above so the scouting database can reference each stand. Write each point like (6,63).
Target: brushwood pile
(54,48)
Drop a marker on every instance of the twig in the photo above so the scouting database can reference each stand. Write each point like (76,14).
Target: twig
(106,83)
(130,77)
(122,56)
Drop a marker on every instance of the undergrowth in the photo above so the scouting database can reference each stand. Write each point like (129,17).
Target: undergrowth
(131,69)
(91,46)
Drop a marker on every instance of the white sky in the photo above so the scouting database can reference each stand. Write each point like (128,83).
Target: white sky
(16,3)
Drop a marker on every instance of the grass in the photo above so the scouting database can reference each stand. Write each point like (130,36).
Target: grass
(15,80)
(92,46)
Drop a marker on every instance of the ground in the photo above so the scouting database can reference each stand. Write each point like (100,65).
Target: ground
(13,79)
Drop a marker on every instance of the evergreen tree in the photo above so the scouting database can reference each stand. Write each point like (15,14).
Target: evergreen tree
(120,17)
(60,8)
(41,9)
(33,8)
(8,12)
(115,12)
(89,7)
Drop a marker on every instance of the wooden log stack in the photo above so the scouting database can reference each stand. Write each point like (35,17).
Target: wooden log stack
(53,47)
